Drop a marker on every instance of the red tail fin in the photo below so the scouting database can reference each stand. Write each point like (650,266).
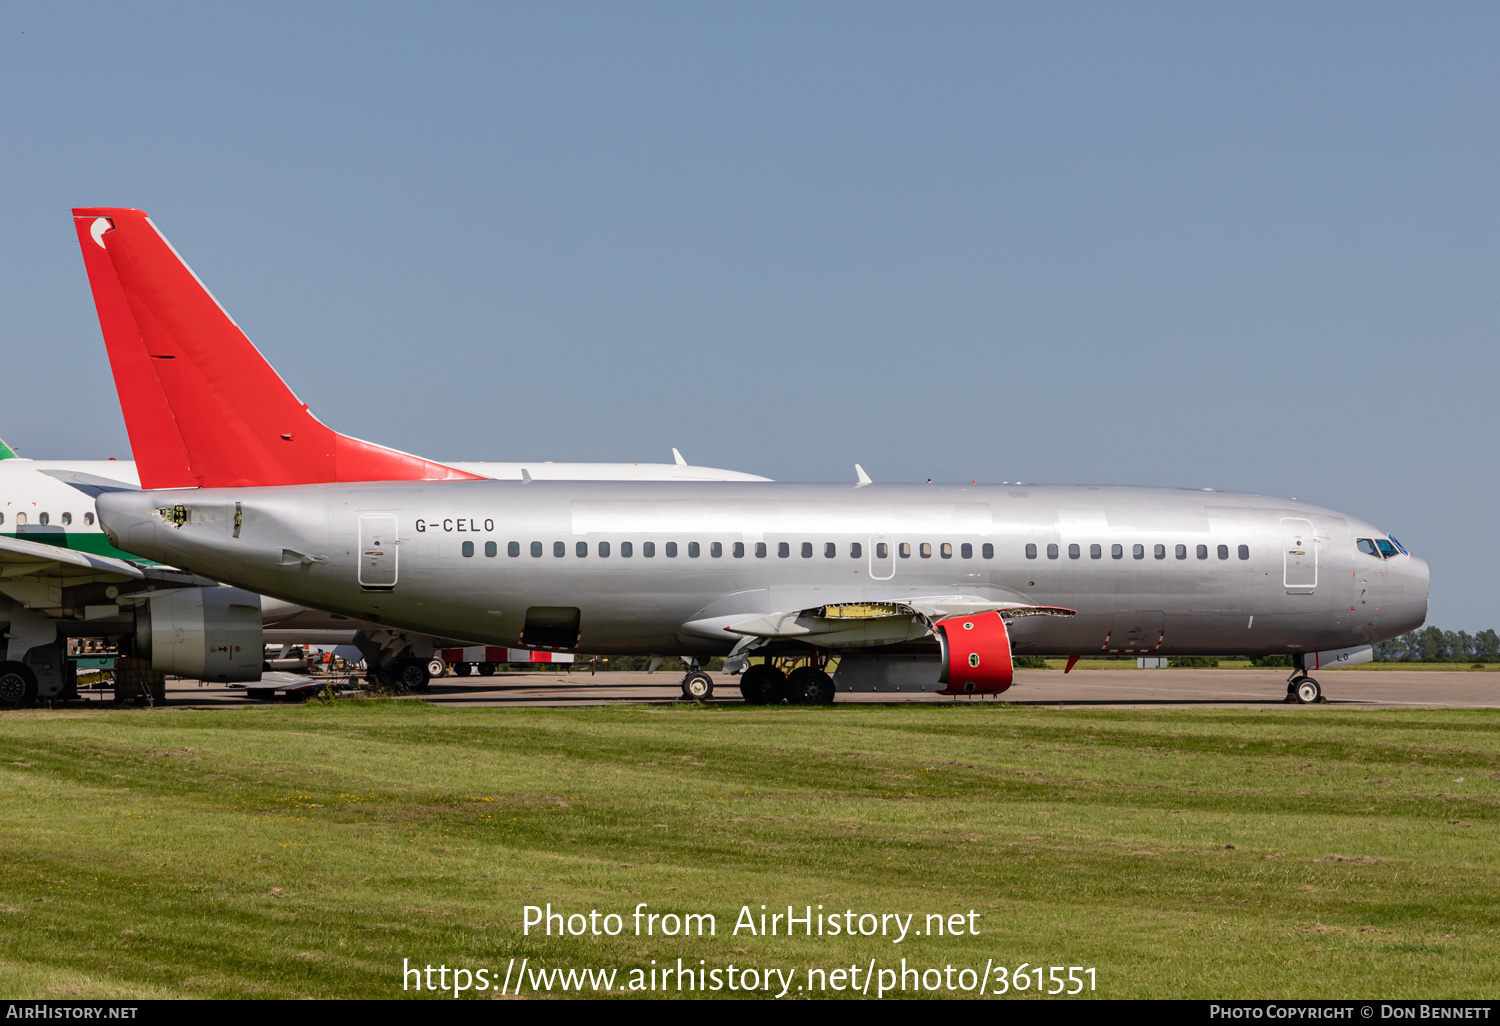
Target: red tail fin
(236,421)
(160,457)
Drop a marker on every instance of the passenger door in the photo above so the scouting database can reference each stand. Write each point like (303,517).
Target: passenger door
(1299,545)
(377,551)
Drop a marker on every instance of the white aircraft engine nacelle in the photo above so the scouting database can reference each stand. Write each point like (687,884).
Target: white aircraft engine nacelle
(205,633)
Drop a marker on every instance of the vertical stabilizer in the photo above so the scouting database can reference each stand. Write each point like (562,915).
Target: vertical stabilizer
(6,452)
(236,421)
(160,456)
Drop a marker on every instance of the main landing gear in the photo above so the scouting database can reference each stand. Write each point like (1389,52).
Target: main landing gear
(410,674)
(765,684)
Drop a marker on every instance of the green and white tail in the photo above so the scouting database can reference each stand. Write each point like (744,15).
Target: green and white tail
(6,452)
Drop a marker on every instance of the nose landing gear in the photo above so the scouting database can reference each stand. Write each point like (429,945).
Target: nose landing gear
(697,686)
(1303,689)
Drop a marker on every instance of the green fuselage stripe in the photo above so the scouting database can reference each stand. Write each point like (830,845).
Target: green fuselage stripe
(93,543)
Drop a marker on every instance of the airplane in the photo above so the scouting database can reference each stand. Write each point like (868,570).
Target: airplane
(93,589)
(926,588)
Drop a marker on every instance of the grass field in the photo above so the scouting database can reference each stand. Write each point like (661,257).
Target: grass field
(283,852)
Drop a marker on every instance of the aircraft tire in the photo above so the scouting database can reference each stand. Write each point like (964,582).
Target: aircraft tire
(809,685)
(486,669)
(1308,691)
(17,686)
(436,667)
(697,687)
(411,674)
(761,684)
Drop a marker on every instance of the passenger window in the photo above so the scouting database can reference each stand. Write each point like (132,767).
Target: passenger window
(604,548)
(926,550)
(513,548)
(1387,550)
(739,550)
(807,550)
(1244,552)
(830,550)
(715,549)
(1160,552)
(88,518)
(626,550)
(946,550)
(536,548)
(559,549)
(67,518)
(648,549)
(783,550)
(1096,552)
(1030,550)
(671,550)
(1051,550)
(904,548)
(20,519)
(44,519)
(2,518)
(882,550)
(966,551)
(467,548)
(582,549)
(692,550)
(1182,552)
(491,549)
(1202,551)
(1223,551)
(987,551)
(1074,551)
(1116,552)
(856,550)
(1138,551)
(760,550)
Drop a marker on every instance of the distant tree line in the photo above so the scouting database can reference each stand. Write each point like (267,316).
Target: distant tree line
(1435,645)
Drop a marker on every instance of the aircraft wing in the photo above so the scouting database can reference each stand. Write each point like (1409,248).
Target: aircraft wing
(868,623)
(19,558)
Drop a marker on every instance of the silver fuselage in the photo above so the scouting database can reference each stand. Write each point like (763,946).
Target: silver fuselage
(304,544)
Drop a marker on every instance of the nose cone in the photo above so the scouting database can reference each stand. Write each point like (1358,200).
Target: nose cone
(1408,606)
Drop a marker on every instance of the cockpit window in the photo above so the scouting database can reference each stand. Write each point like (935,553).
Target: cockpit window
(1387,550)
(1399,547)
(1367,546)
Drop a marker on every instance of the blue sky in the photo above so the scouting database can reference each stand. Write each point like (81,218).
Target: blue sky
(1250,247)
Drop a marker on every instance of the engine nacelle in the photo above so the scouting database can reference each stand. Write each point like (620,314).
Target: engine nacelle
(975,655)
(204,633)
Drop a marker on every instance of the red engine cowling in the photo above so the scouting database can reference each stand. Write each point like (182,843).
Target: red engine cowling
(976,655)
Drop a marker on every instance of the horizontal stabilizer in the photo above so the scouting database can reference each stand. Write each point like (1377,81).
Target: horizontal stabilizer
(89,484)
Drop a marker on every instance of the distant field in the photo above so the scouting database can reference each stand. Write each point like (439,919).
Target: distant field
(283,852)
